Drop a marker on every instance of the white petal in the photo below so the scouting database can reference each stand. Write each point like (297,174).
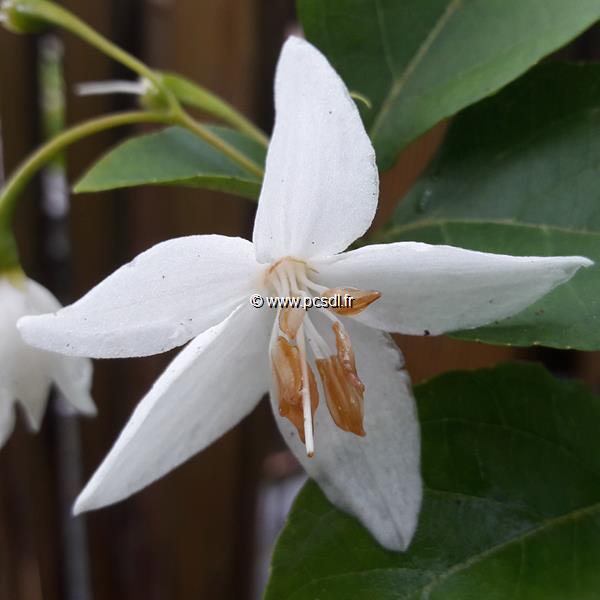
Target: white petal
(160,300)
(210,386)
(321,184)
(433,289)
(376,478)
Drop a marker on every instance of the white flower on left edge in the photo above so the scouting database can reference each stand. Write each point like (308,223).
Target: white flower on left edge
(319,195)
(26,373)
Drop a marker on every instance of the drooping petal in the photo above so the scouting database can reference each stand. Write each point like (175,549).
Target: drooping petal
(34,404)
(73,377)
(429,289)
(208,388)
(7,417)
(321,184)
(160,300)
(376,477)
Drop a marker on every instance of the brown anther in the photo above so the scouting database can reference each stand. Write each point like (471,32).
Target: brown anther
(344,391)
(290,320)
(287,367)
(345,355)
(351,301)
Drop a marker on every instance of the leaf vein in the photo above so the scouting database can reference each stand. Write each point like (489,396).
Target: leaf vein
(418,57)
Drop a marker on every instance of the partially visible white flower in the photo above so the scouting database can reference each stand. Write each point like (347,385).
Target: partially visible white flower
(27,373)
(361,442)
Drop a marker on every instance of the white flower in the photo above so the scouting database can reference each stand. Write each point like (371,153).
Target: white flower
(319,195)
(26,373)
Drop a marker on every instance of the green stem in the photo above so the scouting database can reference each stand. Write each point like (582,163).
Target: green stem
(237,120)
(55,14)
(9,255)
(220,109)
(191,94)
(183,119)
(19,179)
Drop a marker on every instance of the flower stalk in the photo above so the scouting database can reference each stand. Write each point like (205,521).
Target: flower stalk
(191,94)
(9,255)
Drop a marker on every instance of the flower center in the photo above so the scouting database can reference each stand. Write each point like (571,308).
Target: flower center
(294,335)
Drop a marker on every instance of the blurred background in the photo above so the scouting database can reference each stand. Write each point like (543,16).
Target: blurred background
(207,529)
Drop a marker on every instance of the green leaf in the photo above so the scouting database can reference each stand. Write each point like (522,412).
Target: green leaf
(511,506)
(519,174)
(175,156)
(419,61)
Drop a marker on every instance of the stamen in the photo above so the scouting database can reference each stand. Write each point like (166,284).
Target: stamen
(361,299)
(291,375)
(290,320)
(284,261)
(344,391)
(275,329)
(345,354)
(311,285)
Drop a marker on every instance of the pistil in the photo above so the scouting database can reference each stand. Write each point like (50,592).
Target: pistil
(307,379)
(307,392)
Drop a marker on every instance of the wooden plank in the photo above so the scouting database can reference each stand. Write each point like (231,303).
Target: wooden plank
(194,510)
(96,227)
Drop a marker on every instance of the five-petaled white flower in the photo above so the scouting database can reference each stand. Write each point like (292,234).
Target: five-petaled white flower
(27,373)
(319,194)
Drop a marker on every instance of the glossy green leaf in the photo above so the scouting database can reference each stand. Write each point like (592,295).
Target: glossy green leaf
(419,61)
(519,174)
(511,506)
(175,156)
